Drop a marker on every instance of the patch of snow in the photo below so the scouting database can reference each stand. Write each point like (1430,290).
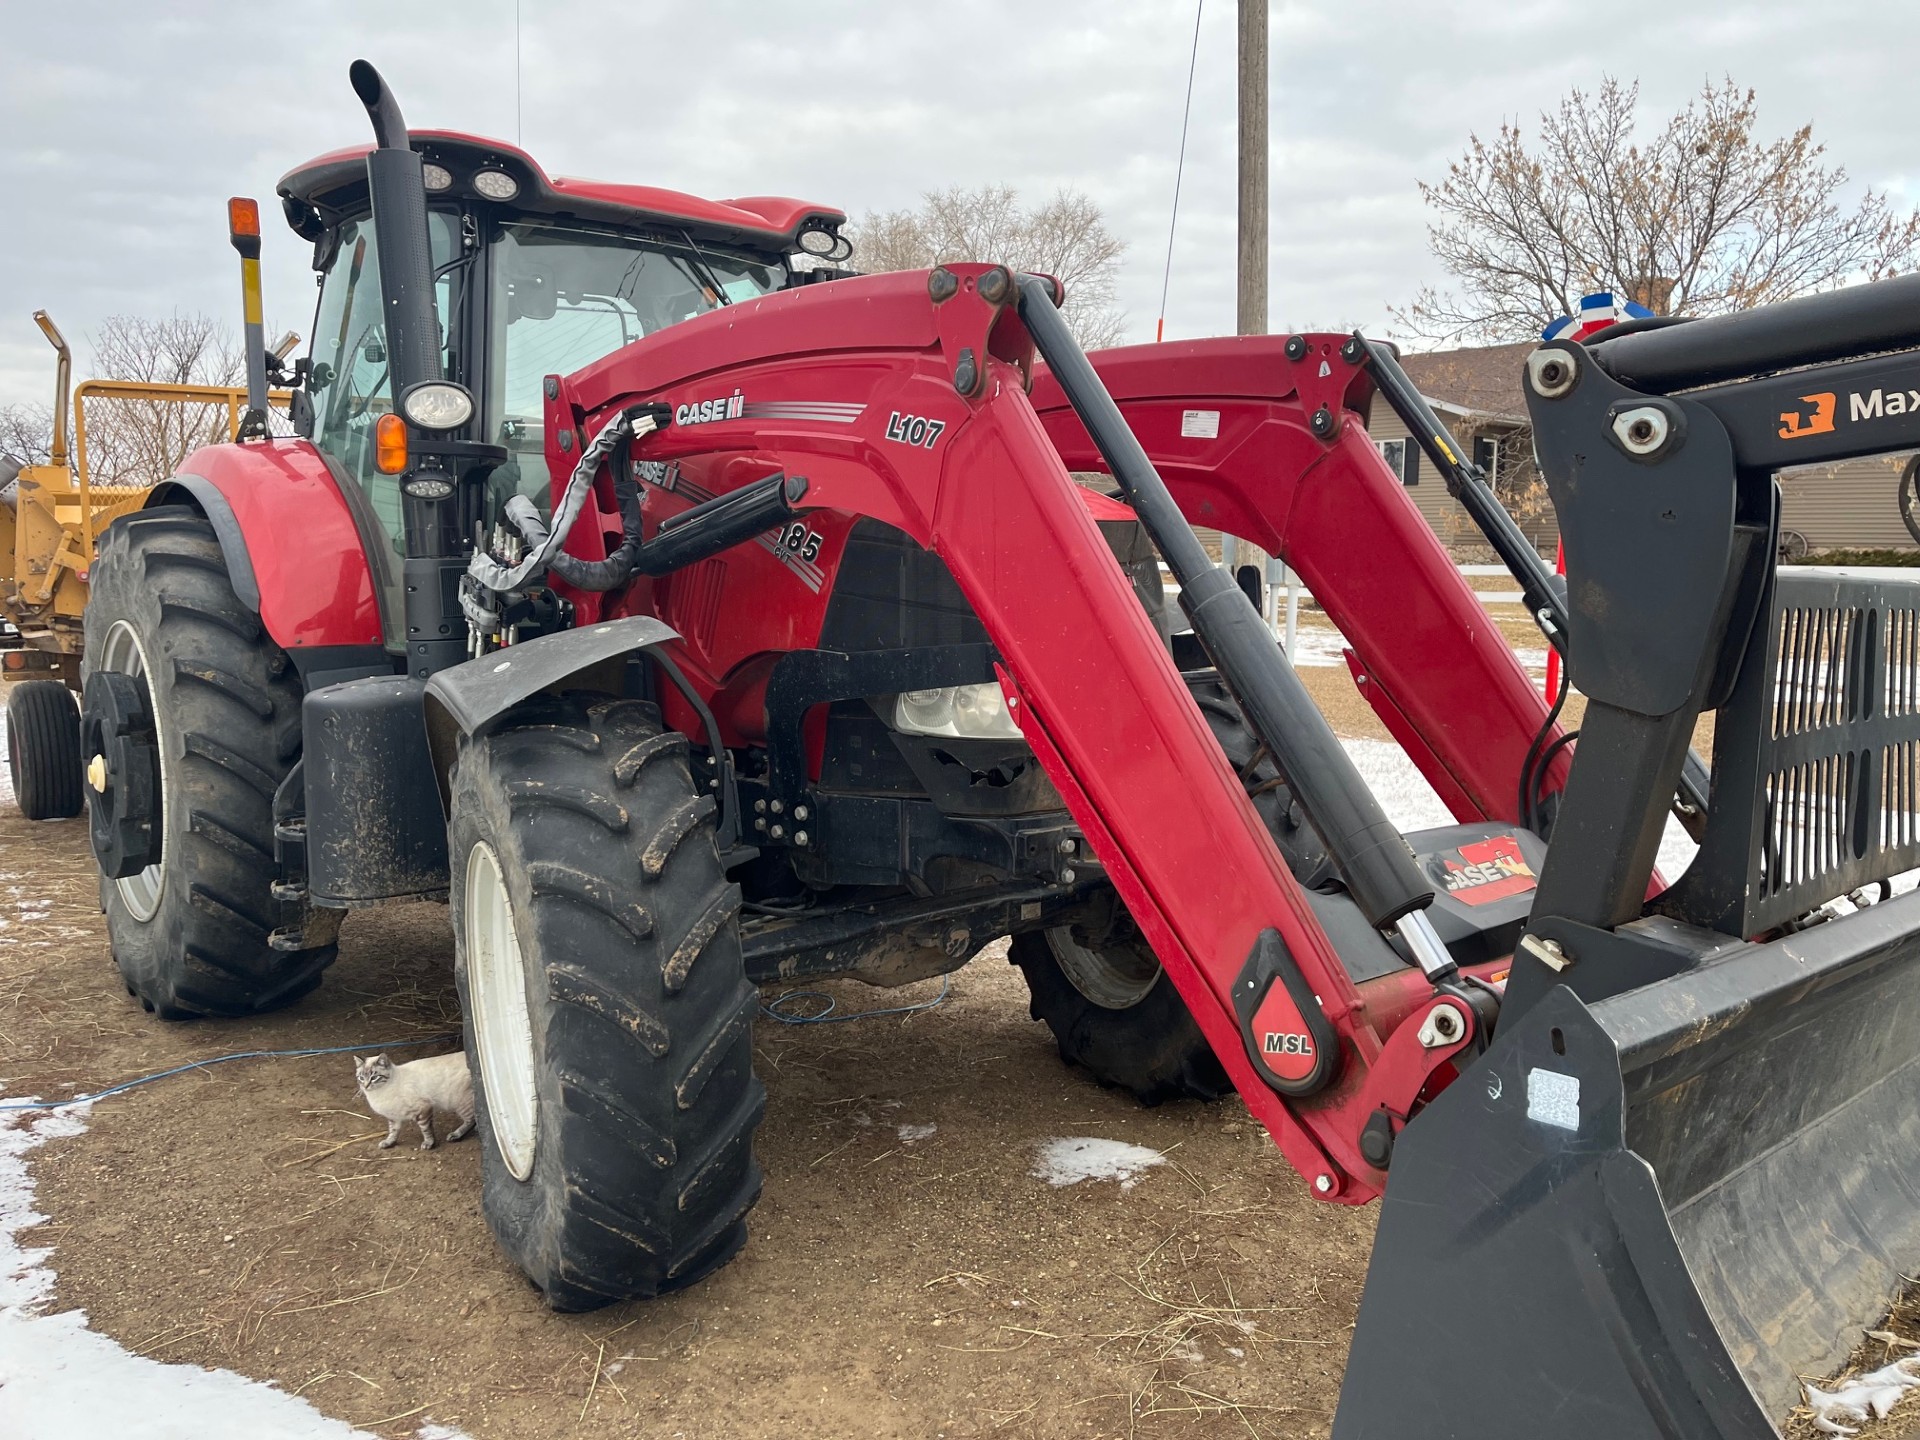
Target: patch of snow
(1403,792)
(1676,852)
(1316,647)
(62,1381)
(913,1134)
(1081,1157)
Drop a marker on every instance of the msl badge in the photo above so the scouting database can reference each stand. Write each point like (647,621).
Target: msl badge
(1287,1034)
(1484,871)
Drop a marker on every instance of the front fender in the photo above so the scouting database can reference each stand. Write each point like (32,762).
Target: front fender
(292,550)
(469,697)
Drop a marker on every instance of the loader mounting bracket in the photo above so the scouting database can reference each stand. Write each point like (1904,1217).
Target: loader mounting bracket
(1415,1054)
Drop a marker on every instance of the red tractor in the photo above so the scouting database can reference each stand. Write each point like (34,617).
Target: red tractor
(687,618)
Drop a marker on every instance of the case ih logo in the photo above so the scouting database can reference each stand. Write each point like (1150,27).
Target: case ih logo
(1276,1042)
(1485,871)
(705,412)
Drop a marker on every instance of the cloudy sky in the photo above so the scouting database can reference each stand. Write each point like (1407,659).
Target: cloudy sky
(124,126)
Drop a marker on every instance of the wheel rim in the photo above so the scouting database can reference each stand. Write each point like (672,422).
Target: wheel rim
(124,655)
(1116,978)
(496,981)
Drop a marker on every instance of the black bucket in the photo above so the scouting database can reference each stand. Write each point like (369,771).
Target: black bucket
(1649,1217)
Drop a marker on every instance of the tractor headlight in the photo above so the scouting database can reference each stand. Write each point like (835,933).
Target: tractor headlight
(436,177)
(966,712)
(437,405)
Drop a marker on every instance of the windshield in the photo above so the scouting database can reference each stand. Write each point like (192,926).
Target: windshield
(564,296)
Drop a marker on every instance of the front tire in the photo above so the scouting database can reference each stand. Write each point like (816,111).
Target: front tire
(608,1013)
(43,750)
(1113,1010)
(199,931)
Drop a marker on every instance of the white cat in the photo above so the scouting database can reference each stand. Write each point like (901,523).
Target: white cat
(399,1093)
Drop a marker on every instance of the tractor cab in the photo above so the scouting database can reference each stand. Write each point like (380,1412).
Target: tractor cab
(531,276)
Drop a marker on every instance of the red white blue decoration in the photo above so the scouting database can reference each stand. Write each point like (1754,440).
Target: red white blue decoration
(1596,313)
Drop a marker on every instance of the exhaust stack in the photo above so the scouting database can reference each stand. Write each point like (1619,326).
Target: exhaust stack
(398,193)
(62,388)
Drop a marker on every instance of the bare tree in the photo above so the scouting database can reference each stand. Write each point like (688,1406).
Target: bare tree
(140,442)
(1702,217)
(26,434)
(1065,237)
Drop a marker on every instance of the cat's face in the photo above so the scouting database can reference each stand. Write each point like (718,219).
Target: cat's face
(374,1072)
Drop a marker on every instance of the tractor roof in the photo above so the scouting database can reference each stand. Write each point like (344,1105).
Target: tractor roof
(336,183)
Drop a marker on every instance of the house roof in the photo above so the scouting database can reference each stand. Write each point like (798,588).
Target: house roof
(1480,380)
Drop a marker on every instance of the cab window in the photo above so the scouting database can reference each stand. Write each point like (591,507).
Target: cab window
(352,383)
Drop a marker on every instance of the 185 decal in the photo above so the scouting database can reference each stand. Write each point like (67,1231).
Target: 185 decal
(797,539)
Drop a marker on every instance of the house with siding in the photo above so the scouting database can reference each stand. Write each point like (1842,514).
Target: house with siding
(1476,392)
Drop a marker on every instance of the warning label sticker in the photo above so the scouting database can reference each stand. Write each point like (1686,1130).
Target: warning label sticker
(1200,424)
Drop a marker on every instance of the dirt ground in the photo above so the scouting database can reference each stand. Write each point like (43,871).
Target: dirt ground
(242,1218)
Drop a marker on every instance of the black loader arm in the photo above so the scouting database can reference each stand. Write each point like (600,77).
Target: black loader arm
(1682,1176)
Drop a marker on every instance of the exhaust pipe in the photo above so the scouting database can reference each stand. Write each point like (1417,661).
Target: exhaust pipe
(398,192)
(62,388)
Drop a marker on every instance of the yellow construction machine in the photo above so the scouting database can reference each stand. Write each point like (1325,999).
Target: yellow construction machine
(51,515)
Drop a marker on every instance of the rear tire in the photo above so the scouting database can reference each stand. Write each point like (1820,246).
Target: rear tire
(191,932)
(608,1013)
(1113,1010)
(1150,1046)
(43,750)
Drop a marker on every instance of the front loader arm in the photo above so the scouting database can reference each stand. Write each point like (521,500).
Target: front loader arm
(914,411)
(1264,437)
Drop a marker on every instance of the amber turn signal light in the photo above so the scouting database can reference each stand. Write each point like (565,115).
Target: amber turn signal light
(390,444)
(243,218)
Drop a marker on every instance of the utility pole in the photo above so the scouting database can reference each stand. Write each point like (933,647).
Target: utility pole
(1251,316)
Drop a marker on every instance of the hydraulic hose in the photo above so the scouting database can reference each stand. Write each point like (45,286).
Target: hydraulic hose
(495,576)
(617,568)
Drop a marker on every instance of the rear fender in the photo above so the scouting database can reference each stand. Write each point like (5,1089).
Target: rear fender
(292,550)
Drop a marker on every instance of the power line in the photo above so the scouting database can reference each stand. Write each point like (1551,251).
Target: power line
(1186,114)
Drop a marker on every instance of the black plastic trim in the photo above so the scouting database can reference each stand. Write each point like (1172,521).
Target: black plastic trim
(226,529)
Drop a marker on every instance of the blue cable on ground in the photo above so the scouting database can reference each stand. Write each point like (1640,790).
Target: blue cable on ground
(771,1008)
(220,1060)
